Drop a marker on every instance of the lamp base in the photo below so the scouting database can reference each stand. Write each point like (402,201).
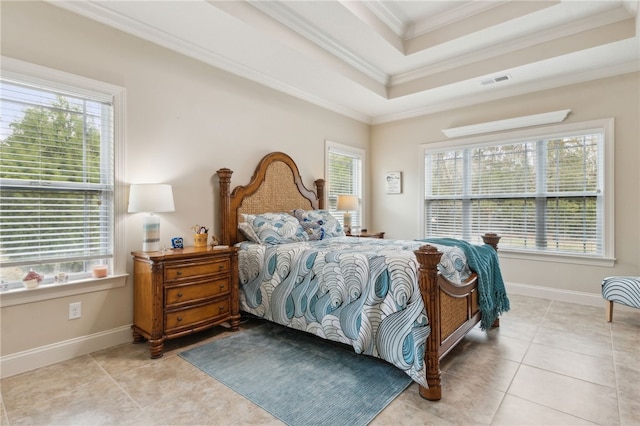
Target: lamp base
(151,233)
(347,222)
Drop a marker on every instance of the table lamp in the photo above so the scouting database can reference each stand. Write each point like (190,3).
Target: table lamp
(347,203)
(151,198)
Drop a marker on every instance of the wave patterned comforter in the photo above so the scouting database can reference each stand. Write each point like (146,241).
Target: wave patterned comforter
(359,291)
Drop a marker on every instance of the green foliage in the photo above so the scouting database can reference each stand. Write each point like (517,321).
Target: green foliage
(52,152)
(341,177)
(52,144)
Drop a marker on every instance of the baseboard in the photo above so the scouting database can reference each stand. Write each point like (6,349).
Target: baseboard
(42,356)
(579,297)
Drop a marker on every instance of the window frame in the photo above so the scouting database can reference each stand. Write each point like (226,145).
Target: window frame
(14,69)
(352,151)
(608,236)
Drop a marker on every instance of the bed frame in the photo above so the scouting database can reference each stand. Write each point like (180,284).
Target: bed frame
(276,186)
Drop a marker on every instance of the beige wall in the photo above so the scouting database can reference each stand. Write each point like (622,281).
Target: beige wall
(394,146)
(185,120)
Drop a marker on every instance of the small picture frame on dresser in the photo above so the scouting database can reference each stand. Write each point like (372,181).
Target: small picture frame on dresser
(393,182)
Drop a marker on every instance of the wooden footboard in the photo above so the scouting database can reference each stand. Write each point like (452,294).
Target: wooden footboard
(453,310)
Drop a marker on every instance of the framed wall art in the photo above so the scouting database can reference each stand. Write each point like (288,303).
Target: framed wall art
(394,182)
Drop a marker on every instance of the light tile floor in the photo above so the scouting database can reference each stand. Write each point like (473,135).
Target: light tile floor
(550,363)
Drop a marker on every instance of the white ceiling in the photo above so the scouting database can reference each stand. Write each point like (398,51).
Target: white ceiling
(381,60)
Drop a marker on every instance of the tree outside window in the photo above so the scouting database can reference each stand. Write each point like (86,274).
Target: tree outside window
(56,175)
(544,194)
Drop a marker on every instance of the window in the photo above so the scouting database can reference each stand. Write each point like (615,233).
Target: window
(57,176)
(344,176)
(543,192)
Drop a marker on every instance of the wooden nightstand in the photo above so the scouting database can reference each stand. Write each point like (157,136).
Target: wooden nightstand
(183,291)
(365,234)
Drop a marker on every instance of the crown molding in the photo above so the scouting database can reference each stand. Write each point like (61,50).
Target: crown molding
(464,11)
(139,29)
(508,124)
(408,30)
(612,16)
(395,23)
(308,30)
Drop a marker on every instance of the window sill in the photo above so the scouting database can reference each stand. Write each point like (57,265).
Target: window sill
(557,258)
(22,296)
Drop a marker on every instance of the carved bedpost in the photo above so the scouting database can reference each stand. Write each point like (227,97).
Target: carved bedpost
(492,239)
(320,191)
(224,175)
(428,257)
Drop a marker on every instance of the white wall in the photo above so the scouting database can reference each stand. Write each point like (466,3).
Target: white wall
(394,146)
(185,120)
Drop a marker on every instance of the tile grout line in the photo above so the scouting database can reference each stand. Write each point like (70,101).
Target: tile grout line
(506,392)
(615,370)
(116,382)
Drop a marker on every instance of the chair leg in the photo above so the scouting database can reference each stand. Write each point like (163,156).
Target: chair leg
(609,307)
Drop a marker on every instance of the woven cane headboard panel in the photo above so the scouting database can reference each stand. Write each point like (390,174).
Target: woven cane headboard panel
(276,186)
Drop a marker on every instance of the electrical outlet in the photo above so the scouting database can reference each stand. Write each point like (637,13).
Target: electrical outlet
(75,310)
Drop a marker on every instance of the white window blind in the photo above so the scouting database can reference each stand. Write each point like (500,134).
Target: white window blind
(541,195)
(57,182)
(344,176)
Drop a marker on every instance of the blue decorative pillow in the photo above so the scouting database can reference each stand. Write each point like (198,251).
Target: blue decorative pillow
(319,224)
(272,228)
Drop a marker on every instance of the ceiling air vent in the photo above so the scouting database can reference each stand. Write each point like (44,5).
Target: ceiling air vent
(496,80)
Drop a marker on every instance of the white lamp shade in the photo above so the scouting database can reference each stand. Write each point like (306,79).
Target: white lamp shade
(151,198)
(347,202)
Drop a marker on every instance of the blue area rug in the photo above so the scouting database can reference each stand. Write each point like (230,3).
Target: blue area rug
(299,378)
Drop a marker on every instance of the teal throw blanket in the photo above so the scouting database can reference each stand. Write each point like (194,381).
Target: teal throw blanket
(483,260)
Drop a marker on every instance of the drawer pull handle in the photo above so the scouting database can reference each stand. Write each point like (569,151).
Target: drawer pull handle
(179,319)
(220,308)
(180,294)
(220,267)
(222,286)
(179,273)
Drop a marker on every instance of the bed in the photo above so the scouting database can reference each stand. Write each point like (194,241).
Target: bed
(418,314)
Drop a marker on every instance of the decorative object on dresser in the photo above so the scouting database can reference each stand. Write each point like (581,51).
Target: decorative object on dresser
(177,242)
(200,240)
(151,198)
(347,203)
(452,302)
(184,291)
(200,235)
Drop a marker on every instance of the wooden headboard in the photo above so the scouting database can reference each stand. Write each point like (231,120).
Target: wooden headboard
(276,186)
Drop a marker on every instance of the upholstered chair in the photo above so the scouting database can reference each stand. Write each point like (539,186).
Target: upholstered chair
(623,290)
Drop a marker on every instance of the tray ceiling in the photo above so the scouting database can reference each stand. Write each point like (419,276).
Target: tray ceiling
(380,61)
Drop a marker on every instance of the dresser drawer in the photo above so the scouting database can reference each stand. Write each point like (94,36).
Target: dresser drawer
(185,271)
(193,292)
(185,318)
